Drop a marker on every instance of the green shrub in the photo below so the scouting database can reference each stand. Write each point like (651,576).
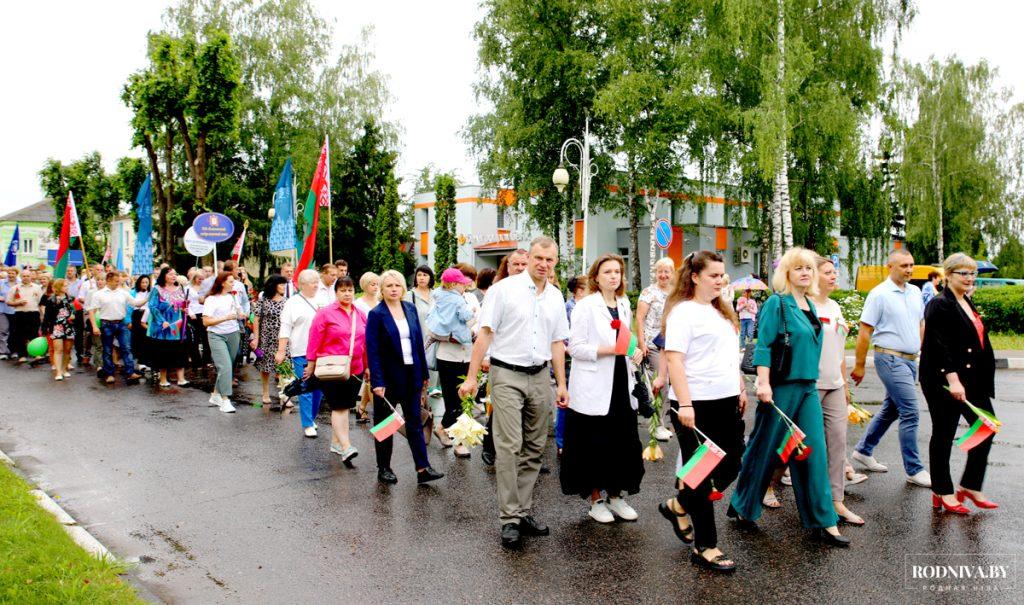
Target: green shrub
(1002,308)
(852,303)
(633,296)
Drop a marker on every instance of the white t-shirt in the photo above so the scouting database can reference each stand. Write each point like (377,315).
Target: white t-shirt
(833,345)
(712,350)
(296,317)
(405,336)
(219,306)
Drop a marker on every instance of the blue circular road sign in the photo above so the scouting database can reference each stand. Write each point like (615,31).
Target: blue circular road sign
(663,233)
(213,227)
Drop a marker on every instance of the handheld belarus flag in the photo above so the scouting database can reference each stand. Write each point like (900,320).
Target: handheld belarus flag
(69,229)
(704,460)
(12,251)
(387,427)
(236,252)
(982,429)
(793,441)
(319,196)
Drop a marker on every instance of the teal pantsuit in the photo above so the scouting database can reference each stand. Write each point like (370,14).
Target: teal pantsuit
(797,396)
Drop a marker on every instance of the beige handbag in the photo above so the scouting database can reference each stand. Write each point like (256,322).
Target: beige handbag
(337,367)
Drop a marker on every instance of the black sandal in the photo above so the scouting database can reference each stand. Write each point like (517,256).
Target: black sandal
(686,535)
(717,564)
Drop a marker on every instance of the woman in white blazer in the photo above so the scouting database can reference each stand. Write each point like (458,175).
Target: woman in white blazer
(601,455)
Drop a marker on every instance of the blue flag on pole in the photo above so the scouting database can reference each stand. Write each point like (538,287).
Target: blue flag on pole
(12,251)
(142,259)
(282,229)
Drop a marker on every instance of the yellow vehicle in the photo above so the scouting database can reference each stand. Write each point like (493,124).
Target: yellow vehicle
(869,276)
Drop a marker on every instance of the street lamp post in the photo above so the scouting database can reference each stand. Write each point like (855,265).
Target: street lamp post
(586,169)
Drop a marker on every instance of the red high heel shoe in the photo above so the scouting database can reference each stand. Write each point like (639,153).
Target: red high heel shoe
(963,493)
(939,504)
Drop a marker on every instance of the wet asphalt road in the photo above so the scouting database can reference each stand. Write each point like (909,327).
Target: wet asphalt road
(240,508)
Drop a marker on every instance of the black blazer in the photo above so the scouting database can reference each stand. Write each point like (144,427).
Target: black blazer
(384,349)
(951,345)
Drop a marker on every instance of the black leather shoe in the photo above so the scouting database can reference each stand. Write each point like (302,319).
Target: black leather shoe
(386,475)
(740,521)
(510,535)
(532,527)
(545,469)
(428,474)
(832,540)
(488,458)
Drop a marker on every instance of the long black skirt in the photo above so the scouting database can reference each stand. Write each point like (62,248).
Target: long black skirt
(603,452)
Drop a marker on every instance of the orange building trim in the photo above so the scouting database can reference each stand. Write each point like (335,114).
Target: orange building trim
(506,197)
(424,243)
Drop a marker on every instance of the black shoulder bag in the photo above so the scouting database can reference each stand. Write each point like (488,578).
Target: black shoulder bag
(782,351)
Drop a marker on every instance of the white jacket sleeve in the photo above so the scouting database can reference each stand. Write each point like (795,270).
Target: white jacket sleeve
(582,345)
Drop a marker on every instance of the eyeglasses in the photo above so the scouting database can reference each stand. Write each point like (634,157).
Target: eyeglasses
(966,273)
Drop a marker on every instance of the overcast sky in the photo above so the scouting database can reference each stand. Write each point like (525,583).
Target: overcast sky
(64,63)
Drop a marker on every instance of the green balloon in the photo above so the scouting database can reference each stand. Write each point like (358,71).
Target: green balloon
(37,347)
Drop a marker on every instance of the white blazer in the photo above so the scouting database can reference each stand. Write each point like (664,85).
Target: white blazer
(590,380)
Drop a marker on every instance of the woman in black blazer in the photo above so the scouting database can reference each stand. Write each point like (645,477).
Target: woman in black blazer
(957,365)
(398,371)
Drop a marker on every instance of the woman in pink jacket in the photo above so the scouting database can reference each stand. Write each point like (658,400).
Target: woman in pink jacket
(331,333)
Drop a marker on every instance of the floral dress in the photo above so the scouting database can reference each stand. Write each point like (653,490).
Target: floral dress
(62,310)
(269,312)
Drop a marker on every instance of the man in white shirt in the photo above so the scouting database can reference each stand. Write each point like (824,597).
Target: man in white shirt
(288,272)
(523,323)
(110,305)
(296,317)
(328,275)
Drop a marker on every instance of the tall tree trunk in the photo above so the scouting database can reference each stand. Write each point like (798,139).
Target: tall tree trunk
(166,241)
(633,207)
(158,185)
(780,199)
(652,208)
(937,194)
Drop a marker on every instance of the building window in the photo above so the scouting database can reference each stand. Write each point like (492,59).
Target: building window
(501,216)
(28,246)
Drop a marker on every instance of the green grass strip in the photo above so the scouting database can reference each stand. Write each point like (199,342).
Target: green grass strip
(40,563)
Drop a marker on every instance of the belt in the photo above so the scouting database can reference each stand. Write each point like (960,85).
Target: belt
(885,351)
(531,370)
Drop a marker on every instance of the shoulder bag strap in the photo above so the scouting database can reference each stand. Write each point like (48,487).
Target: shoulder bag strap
(352,336)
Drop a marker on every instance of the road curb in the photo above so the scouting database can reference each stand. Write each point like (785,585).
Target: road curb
(79,534)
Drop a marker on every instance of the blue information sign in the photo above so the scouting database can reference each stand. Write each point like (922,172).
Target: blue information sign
(74,258)
(213,227)
(663,233)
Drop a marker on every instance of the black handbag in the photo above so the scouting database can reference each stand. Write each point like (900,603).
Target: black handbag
(747,363)
(782,351)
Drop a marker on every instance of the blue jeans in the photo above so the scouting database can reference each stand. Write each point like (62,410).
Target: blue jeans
(110,330)
(309,403)
(559,427)
(900,378)
(746,332)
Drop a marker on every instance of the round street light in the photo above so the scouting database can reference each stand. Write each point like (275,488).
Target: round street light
(560,178)
(271,213)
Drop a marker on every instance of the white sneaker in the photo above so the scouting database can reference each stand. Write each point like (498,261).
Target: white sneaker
(662,434)
(921,478)
(599,512)
(226,407)
(621,509)
(309,431)
(67,374)
(869,462)
(215,400)
(59,377)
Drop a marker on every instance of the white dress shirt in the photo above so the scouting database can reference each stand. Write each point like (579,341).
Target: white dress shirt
(112,305)
(525,323)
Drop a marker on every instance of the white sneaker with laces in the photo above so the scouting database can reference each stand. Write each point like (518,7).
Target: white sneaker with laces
(621,509)
(215,400)
(599,512)
(226,407)
(920,478)
(662,434)
(869,462)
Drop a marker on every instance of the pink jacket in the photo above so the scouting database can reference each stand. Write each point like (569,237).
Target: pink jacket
(329,335)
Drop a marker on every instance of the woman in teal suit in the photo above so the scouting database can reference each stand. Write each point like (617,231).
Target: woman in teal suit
(796,394)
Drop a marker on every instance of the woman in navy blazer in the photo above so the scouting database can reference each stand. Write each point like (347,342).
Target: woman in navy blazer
(398,371)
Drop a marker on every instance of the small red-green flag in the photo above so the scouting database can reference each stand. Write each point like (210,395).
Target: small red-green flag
(793,441)
(387,427)
(979,432)
(69,228)
(704,460)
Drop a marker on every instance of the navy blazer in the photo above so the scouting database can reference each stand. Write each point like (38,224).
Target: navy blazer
(384,349)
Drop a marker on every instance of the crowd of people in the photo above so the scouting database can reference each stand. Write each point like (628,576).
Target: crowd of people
(397,348)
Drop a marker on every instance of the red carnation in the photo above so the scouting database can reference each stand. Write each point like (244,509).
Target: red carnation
(616,324)
(715,495)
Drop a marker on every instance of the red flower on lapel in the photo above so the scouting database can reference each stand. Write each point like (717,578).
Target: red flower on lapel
(616,324)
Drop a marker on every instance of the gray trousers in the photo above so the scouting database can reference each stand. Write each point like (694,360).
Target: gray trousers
(833,410)
(5,333)
(223,349)
(522,408)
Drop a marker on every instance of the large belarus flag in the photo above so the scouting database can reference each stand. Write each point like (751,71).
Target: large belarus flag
(319,196)
(69,228)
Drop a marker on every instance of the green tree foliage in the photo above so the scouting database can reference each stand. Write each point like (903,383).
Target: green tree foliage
(445,240)
(1010,259)
(387,232)
(950,181)
(360,181)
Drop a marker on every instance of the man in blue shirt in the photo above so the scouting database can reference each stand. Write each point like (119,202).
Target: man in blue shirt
(893,322)
(931,287)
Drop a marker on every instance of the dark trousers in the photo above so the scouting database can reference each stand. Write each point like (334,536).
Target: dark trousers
(450,374)
(407,400)
(79,323)
(27,325)
(945,412)
(199,343)
(721,421)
